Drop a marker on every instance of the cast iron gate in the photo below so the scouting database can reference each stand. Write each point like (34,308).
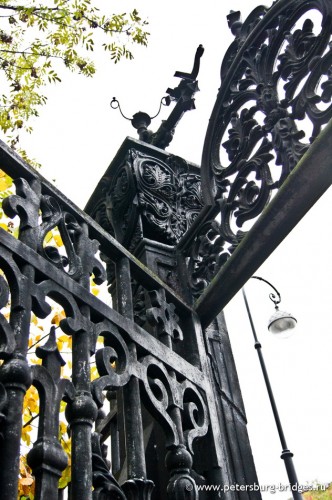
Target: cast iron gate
(165,388)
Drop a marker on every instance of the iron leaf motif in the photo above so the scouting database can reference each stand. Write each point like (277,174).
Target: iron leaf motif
(163,316)
(280,74)
(169,198)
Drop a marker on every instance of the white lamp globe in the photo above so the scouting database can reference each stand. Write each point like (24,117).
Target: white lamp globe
(282,323)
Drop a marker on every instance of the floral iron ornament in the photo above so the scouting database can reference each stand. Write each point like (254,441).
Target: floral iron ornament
(274,99)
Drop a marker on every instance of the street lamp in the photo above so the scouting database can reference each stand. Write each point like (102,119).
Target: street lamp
(278,323)
(281,321)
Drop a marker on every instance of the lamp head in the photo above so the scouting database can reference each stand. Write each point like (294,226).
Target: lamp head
(281,323)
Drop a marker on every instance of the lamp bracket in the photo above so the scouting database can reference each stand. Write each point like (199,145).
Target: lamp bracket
(275,297)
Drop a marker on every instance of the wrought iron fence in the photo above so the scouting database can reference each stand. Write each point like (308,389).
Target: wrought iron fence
(162,389)
(176,392)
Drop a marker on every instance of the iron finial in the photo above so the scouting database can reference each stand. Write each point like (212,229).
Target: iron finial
(193,75)
(183,95)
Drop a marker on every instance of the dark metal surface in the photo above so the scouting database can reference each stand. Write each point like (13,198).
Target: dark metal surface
(182,95)
(274,99)
(162,361)
(163,364)
(162,239)
(307,183)
(159,200)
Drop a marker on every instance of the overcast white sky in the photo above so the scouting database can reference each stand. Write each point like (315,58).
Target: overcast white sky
(77,136)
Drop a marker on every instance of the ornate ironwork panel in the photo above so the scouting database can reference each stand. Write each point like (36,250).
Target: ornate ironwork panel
(133,365)
(147,192)
(274,99)
(138,371)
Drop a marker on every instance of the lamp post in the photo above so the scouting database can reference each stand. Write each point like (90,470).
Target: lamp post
(278,323)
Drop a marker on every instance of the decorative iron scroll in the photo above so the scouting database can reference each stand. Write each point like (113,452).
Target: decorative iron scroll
(39,214)
(275,96)
(149,348)
(163,316)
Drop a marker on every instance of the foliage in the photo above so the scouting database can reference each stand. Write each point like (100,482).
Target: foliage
(319,493)
(38,38)
(26,481)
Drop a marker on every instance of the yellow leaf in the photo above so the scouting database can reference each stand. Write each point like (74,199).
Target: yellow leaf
(26,417)
(65,478)
(23,465)
(36,361)
(33,405)
(63,428)
(5,181)
(58,317)
(94,373)
(63,341)
(26,481)
(66,444)
(31,401)
(48,237)
(58,240)
(25,434)
(63,405)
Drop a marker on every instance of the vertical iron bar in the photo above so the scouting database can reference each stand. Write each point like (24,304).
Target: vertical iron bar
(15,373)
(84,410)
(10,449)
(47,458)
(131,396)
(286,454)
(16,378)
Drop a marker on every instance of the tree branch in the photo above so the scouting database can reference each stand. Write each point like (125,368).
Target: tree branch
(31,420)
(20,8)
(25,52)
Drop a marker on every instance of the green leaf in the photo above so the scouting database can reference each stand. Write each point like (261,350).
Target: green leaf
(37,36)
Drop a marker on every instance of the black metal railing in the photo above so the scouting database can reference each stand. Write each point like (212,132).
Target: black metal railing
(153,372)
(130,361)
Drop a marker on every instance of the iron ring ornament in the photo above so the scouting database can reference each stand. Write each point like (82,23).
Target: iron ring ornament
(273,89)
